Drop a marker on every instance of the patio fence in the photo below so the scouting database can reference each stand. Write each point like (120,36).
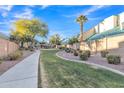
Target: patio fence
(7,47)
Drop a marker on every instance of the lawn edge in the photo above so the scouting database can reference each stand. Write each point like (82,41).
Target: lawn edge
(43,81)
(92,64)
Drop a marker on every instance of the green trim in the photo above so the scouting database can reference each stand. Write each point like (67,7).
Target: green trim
(108,33)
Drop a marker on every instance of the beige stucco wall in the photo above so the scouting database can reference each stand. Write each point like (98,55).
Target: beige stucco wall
(7,47)
(76,46)
(121,20)
(112,43)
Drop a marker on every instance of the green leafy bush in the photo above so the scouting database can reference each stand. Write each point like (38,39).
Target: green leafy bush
(84,56)
(62,48)
(67,50)
(72,50)
(78,49)
(31,49)
(87,52)
(75,53)
(16,55)
(0,60)
(113,59)
(104,53)
(80,52)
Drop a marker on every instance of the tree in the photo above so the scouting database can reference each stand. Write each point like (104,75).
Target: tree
(81,20)
(55,40)
(73,40)
(25,30)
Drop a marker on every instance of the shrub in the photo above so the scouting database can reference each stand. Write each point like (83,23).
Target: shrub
(78,49)
(104,53)
(26,48)
(75,53)
(67,50)
(61,48)
(72,50)
(31,49)
(88,53)
(0,60)
(84,56)
(16,55)
(113,59)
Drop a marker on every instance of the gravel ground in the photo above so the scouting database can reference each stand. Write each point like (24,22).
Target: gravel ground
(5,65)
(97,59)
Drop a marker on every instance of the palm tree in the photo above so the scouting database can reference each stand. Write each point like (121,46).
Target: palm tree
(81,20)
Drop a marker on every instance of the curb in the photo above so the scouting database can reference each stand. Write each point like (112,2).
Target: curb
(92,64)
(50,49)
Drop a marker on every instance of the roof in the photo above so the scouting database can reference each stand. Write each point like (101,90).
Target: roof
(3,36)
(108,33)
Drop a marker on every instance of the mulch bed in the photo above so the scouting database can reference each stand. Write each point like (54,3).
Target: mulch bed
(6,65)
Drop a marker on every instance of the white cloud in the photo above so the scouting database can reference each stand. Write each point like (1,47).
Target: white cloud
(88,11)
(44,6)
(27,13)
(6,22)
(5,32)
(5,9)
(94,8)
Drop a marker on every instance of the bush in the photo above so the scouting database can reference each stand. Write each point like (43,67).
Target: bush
(16,55)
(26,48)
(113,59)
(61,48)
(104,53)
(31,49)
(88,53)
(72,50)
(75,53)
(78,49)
(0,60)
(67,50)
(84,56)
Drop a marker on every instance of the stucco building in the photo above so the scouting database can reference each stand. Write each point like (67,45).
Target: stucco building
(107,35)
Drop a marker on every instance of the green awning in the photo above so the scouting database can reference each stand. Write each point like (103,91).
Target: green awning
(104,34)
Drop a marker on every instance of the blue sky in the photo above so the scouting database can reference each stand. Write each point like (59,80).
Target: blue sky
(60,19)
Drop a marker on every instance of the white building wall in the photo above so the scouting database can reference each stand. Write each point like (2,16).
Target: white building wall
(109,23)
(121,20)
(97,28)
(101,27)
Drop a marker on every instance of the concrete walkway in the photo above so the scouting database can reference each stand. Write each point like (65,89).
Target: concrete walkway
(22,75)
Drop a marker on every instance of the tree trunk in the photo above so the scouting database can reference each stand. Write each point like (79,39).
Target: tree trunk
(22,43)
(106,44)
(81,33)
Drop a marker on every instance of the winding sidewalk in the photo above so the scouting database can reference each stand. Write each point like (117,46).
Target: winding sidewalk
(62,55)
(22,75)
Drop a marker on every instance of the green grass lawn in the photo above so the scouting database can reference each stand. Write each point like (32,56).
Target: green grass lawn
(64,74)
